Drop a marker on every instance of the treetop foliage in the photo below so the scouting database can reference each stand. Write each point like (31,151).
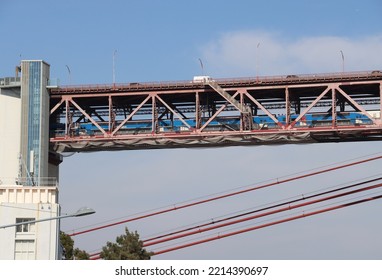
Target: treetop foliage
(127,247)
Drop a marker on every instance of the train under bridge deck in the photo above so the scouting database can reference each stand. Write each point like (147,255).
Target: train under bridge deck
(207,112)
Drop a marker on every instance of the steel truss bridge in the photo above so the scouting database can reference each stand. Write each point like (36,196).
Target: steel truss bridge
(206,112)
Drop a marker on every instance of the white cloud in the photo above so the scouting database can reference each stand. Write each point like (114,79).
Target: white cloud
(251,53)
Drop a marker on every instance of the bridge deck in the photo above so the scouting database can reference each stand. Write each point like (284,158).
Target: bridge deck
(243,111)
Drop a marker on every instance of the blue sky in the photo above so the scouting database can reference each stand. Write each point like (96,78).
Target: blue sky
(162,41)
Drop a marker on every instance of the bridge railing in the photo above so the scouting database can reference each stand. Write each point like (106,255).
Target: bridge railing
(280,79)
(302,77)
(10,81)
(43,181)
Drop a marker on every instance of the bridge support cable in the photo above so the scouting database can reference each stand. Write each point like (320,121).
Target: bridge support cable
(289,206)
(230,194)
(303,215)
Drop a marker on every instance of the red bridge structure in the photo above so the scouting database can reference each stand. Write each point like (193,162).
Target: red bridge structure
(207,112)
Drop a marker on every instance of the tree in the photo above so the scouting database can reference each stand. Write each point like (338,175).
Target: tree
(69,252)
(127,247)
(80,254)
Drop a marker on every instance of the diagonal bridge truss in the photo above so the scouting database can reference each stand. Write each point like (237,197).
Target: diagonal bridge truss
(207,112)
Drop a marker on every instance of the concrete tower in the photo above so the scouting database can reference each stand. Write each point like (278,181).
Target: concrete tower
(34,149)
(28,172)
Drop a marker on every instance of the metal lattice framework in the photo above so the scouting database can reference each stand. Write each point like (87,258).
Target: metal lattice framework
(216,112)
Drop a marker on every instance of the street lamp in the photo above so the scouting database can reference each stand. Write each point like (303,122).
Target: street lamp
(257,58)
(69,72)
(343,61)
(83,212)
(80,212)
(201,66)
(115,51)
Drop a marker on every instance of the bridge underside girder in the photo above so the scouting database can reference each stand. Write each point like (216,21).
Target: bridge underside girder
(141,143)
(317,108)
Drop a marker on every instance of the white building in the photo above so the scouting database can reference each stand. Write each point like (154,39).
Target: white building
(38,241)
(28,172)
(10,117)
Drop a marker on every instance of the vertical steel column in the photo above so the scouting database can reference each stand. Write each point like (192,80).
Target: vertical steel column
(380,103)
(287,107)
(110,114)
(155,124)
(197,111)
(246,117)
(66,117)
(242,117)
(334,107)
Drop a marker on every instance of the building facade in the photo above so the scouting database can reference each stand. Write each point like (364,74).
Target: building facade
(28,172)
(34,241)
(10,120)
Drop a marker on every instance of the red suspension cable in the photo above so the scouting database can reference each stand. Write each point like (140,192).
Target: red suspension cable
(215,222)
(96,256)
(289,207)
(220,236)
(277,182)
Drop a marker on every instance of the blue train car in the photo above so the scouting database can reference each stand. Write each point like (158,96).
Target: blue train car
(218,124)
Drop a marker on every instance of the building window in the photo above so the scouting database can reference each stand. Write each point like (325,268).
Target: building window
(25,227)
(24,250)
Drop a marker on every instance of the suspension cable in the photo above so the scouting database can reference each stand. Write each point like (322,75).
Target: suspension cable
(303,215)
(216,224)
(277,182)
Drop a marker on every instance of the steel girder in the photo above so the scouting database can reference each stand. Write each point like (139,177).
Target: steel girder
(187,114)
